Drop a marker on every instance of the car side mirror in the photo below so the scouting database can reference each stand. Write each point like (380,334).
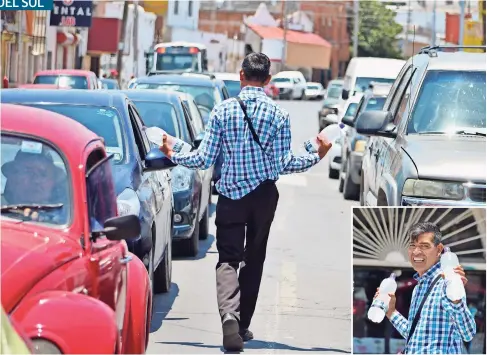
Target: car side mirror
(156,160)
(345,94)
(376,123)
(121,227)
(199,138)
(348,120)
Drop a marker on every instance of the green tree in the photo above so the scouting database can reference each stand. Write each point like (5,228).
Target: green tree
(378,30)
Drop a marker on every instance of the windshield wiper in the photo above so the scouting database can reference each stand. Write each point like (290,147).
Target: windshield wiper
(36,207)
(461,132)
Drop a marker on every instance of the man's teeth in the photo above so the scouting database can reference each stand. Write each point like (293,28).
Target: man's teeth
(418,260)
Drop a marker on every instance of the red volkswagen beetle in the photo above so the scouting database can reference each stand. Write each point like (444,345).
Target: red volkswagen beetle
(67,277)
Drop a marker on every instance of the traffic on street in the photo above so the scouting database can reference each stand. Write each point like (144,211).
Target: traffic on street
(191,192)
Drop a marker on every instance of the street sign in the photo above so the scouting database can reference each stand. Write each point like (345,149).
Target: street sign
(70,13)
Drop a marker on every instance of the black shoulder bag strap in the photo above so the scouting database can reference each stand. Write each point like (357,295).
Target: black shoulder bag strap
(418,313)
(249,122)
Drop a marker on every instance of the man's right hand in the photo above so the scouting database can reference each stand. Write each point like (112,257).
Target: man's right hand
(323,146)
(392,303)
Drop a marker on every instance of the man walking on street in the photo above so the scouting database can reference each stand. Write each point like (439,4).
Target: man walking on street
(254,134)
(436,325)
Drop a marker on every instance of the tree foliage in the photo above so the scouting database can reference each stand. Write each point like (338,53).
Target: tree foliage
(378,31)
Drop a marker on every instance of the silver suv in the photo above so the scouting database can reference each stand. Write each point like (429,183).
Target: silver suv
(428,145)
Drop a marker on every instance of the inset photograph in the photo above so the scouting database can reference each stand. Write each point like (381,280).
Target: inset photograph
(419,280)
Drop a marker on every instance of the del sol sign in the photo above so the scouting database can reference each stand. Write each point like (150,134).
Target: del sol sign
(71,13)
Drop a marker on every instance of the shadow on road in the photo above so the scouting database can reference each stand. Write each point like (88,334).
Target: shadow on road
(162,305)
(205,246)
(212,209)
(257,345)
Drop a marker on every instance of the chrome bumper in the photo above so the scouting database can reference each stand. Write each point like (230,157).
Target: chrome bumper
(417,201)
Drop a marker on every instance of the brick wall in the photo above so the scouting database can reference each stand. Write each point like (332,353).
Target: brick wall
(330,22)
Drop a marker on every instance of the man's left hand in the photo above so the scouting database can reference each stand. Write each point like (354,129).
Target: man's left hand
(165,148)
(459,270)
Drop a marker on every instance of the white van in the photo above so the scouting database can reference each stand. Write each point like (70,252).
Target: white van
(361,71)
(291,85)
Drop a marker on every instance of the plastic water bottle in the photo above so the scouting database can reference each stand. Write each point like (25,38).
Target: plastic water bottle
(377,310)
(154,134)
(454,289)
(331,133)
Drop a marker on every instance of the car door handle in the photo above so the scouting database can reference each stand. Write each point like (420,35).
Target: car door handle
(376,155)
(370,149)
(126,259)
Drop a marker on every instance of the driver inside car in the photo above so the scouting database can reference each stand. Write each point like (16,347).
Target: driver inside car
(34,179)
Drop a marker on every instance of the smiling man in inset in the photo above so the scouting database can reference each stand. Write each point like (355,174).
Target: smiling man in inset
(443,325)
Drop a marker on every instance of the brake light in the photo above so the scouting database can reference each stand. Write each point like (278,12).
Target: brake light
(161,50)
(193,50)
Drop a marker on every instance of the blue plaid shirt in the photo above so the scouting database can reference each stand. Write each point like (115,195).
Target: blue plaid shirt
(443,325)
(245,166)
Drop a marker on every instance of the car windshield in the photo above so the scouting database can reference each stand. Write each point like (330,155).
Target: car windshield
(233,87)
(352,108)
(334,92)
(363,84)
(450,101)
(72,81)
(177,62)
(111,85)
(313,87)
(375,103)
(280,80)
(104,121)
(159,114)
(207,96)
(35,184)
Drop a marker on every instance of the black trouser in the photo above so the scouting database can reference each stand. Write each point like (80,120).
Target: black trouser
(238,294)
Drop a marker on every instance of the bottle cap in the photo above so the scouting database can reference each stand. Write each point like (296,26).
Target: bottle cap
(446,250)
(393,276)
(341,125)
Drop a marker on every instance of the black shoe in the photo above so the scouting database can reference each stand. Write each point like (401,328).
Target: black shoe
(246,334)
(231,338)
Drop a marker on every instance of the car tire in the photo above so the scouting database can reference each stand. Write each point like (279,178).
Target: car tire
(204,224)
(163,273)
(351,191)
(190,247)
(150,271)
(333,173)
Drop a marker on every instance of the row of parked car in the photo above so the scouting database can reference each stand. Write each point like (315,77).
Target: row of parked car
(96,211)
(416,137)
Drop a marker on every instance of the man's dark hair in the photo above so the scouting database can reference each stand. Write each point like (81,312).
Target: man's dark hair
(425,227)
(256,67)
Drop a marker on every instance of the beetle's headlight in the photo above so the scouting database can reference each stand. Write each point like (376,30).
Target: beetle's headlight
(434,189)
(42,346)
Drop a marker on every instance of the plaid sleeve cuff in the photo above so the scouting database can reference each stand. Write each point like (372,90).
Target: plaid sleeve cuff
(456,307)
(309,147)
(177,146)
(396,317)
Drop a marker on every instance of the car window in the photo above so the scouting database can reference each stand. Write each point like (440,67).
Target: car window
(137,135)
(362,84)
(72,81)
(103,121)
(159,114)
(449,101)
(280,80)
(375,103)
(189,124)
(34,173)
(100,193)
(195,116)
(203,95)
(334,92)
(400,88)
(233,87)
(226,95)
(392,92)
(140,125)
(351,109)
(360,108)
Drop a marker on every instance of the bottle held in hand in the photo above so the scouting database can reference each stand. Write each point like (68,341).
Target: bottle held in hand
(380,306)
(454,290)
(331,133)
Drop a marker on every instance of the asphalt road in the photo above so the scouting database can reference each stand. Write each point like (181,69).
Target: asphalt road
(305,298)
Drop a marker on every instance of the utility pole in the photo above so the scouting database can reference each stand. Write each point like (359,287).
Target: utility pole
(433,26)
(284,36)
(20,47)
(121,44)
(461,30)
(136,38)
(408,24)
(356,8)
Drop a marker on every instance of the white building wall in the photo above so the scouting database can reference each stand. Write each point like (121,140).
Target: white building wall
(182,18)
